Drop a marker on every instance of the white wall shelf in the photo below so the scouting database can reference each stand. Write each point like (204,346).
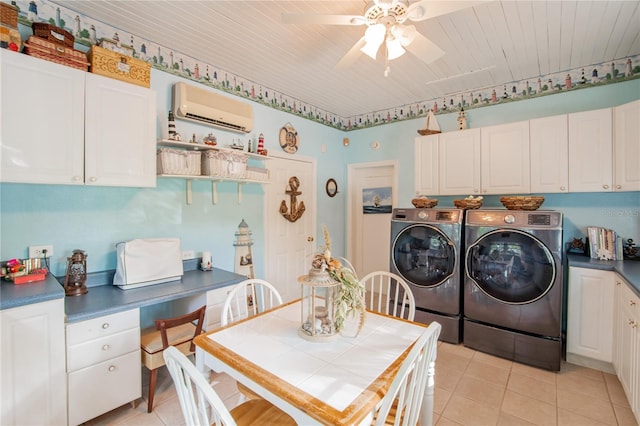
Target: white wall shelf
(214,179)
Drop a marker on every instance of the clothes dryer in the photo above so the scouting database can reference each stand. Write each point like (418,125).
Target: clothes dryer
(426,247)
(513,285)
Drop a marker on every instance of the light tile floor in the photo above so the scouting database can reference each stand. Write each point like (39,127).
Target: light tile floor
(472,388)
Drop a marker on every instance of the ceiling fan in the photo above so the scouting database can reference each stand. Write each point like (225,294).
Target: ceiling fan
(386,22)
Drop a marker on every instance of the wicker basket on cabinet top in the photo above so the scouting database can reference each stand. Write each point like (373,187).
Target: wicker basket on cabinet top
(121,67)
(53,34)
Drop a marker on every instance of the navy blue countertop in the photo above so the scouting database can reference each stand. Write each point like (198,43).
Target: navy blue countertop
(627,269)
(13,296)
(110,299)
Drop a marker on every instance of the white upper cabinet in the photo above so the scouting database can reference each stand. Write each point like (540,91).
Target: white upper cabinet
(42,121)
(426,165)
(120,143)
(505,159)
(626,147)
(590,151)
(549,154)
(61,125)
(459,160)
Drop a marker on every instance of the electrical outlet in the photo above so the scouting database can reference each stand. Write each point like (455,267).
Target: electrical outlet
(188,254)
(36,252)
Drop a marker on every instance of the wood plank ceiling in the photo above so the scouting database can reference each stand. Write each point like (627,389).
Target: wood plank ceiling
(488,44)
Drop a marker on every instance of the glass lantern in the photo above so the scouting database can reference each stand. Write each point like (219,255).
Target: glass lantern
(319,292)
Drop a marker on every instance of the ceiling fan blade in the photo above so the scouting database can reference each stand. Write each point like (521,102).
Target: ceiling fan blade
(425,9)
(426,50)
(352,55)
(308,18)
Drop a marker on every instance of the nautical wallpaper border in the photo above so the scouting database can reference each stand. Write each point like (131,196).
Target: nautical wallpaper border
(88,31)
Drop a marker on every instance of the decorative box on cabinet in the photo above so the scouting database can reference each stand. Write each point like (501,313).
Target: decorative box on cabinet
(627,343)
(103,364)
(590,151)
(626,147)
(61,125)
(33,384)
(549,154)
(590,304)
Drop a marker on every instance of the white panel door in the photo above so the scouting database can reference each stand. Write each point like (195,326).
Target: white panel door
(549,148)
(590,151)
(626,147)
(42,116)
(120,137)
(289,245)
(459,155)
(504,158)
(370,234)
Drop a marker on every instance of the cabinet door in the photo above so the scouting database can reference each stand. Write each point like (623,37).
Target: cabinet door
(626,147)
(549,151)
(426,165)
(42,120)
(627,335)
(119,133)
(590,147)
(504,159)
(459,154)
(590,313)
(33,385)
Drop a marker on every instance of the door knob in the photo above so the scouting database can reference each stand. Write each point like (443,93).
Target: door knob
(310,239)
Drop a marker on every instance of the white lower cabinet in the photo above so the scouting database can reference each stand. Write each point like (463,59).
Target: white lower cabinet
(590,304)
(103,364)
(627,343)
(32,373)
(215,303)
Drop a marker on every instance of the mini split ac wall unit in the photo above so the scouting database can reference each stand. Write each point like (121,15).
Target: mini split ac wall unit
(206,107)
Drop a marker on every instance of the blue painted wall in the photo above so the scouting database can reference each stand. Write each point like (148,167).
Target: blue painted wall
(96,218)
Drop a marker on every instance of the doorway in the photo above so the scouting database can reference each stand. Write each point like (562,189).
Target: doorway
(289,246)
(369,228)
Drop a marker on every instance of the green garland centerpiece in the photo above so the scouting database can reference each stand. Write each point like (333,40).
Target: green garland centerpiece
(350,300)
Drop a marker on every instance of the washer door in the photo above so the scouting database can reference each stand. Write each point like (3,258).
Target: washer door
(423,255)
(511,266)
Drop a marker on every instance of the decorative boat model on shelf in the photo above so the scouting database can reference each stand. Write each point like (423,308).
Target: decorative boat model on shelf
(431,127)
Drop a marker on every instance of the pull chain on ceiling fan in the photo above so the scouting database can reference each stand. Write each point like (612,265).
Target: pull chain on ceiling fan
(385,24)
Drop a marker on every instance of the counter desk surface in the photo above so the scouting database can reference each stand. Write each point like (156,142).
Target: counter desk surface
(109,299)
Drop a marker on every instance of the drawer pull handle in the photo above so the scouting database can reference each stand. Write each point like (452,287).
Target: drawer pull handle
(112,368)
(632,303)
(106,347)
(633,323)
(105,325)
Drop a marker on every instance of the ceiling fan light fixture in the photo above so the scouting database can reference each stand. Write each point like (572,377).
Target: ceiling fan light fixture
(394,48)
(404,33)
(374,36)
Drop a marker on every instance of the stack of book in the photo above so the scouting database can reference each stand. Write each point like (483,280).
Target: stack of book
(604,244)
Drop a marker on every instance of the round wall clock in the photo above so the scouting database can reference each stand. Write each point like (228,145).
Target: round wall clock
(331,187)
(289,139)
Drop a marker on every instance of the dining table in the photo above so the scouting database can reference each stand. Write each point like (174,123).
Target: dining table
(337,382)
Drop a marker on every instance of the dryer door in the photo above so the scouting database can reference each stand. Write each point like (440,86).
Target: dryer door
(423,255)
(511,266)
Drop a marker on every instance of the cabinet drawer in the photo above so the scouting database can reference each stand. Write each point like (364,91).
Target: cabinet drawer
(218,295)
(98,350)
(103,326)
(630,302)
(101,388)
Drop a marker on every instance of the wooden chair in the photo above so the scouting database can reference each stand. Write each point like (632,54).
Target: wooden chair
(248,298)
(411,392)
(178,332)
(385,297)
(202,406)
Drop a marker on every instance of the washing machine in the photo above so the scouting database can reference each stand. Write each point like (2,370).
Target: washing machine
(426,248)
(513,285)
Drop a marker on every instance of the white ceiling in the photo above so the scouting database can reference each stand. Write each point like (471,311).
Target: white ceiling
(491,43)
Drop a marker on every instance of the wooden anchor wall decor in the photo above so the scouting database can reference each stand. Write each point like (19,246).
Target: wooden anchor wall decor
(297,208)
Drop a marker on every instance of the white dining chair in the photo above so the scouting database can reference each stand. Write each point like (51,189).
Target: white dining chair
(411,393)
(247,298)
(202,406)
(385,297)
